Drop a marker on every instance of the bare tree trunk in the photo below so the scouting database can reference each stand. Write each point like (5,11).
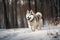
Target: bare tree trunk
(15,13)
(35,6)
(18,14)
(2,25)
(5,15)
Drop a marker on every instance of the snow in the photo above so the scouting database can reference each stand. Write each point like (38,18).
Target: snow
(27,34)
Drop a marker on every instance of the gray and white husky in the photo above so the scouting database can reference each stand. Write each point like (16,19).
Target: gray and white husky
(34,20)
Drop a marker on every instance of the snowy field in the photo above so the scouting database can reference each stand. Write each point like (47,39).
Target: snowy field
(26,34)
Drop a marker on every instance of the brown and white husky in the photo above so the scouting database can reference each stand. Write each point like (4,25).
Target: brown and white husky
(34,20)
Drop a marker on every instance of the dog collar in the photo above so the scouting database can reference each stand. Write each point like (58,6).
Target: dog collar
(32,20)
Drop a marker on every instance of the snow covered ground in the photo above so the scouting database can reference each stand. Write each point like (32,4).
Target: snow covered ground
(26,34)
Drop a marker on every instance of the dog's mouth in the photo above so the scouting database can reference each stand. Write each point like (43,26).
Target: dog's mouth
(28,18)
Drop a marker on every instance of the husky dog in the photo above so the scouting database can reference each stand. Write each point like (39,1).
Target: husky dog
(34,20)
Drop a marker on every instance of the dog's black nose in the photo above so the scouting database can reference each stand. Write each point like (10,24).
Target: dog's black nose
(29,18)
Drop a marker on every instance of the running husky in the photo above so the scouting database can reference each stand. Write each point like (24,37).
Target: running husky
(34,20)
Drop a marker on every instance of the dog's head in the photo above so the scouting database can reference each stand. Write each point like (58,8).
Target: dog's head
(30,15)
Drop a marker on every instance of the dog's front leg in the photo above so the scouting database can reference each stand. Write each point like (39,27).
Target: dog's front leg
(33,28)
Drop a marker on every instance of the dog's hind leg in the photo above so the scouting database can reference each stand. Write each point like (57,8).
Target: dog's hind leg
(38,27)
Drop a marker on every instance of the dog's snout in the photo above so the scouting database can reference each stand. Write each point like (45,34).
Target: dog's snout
(29,18)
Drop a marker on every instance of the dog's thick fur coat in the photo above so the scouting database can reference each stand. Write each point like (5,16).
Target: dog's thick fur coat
(34,20)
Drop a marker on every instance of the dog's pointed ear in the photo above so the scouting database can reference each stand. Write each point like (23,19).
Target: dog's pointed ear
(27,11)
(31,11)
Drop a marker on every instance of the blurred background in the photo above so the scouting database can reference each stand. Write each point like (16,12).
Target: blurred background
(13,12)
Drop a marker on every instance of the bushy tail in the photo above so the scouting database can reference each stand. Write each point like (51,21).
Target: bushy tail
(38,14)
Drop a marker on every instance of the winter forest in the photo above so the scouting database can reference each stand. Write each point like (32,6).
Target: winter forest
(13,22)
(13,12)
